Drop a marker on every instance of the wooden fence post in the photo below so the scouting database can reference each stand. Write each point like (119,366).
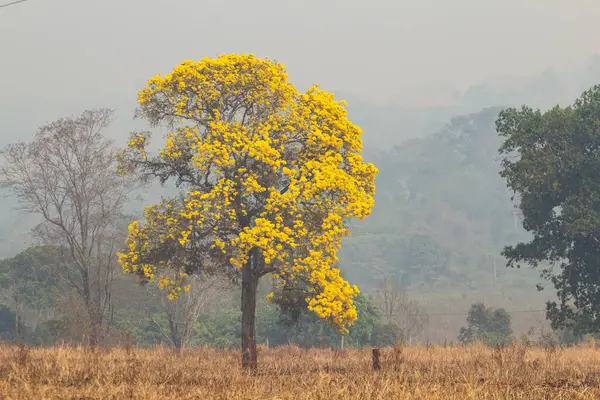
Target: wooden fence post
(17,319)
(376,359)
(128,342)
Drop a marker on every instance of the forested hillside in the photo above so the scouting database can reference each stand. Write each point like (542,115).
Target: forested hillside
(442,211)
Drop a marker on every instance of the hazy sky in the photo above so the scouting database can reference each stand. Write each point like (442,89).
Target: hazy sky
(60,56)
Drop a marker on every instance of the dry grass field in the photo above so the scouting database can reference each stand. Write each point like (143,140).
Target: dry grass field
(474,372)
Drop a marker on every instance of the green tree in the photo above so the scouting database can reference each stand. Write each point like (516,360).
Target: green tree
(486,325)
(296,325)
(29,281)
(472,137)
(551,162)
(30,276)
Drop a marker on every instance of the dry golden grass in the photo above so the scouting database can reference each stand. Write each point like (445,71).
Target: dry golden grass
(474,372)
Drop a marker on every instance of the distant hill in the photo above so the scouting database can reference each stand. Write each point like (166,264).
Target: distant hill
(441,212)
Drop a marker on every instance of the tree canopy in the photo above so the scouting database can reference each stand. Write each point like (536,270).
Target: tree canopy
(551,161)
(31,277)
(486,325)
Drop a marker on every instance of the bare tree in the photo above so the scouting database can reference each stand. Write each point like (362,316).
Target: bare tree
(398,310)
(182,313)
(67,175)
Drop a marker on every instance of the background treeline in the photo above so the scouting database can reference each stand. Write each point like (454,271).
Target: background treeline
(48,314)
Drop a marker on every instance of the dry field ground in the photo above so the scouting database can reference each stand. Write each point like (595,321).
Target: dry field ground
(473,372)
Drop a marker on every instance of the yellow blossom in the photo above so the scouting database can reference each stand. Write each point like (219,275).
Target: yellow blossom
(266,169)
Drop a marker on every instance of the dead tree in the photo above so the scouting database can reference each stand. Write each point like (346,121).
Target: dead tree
(400,311)
(182,313)
(67,176)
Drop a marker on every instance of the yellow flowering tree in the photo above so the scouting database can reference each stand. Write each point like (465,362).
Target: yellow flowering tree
(270,178)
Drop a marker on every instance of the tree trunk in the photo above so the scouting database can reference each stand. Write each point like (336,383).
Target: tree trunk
(94,337)
(96,325)
(249,288)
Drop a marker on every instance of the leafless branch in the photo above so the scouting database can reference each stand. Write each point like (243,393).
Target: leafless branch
(400,311)
(182,313)
(67,176)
